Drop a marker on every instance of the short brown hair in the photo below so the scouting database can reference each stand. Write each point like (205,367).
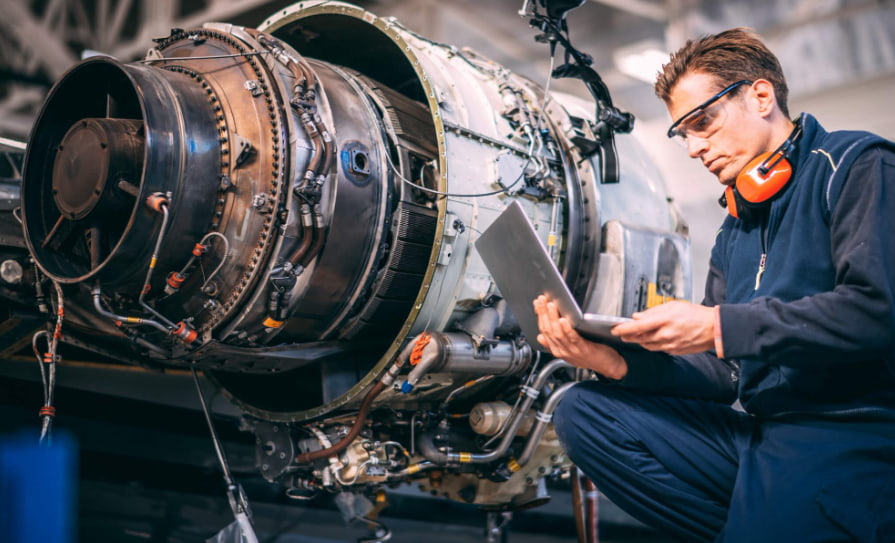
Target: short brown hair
(730,56)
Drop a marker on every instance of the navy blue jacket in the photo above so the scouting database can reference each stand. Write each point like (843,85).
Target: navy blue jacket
(817,333)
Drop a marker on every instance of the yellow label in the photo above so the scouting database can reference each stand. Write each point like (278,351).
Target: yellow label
(513,465)
(272,323)
(465,457)
(653,298)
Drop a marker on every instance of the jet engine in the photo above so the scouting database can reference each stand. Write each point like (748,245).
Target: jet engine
(293,210)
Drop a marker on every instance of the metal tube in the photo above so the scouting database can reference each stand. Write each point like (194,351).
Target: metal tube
(544,417)
(97,303)
(456,353)
(431,453)
(152,262)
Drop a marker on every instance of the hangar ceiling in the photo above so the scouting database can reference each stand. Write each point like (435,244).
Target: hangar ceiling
(825,45)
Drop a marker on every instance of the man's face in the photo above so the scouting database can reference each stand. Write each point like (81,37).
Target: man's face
(727,134)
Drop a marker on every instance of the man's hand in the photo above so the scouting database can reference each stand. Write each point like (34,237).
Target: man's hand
(558,336)
(674,327)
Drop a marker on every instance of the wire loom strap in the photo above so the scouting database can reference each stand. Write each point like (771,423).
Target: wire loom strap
(47,411)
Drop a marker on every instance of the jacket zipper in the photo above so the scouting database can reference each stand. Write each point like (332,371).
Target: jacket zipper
(764,252)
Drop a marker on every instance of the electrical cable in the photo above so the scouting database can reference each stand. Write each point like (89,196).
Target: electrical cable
(48,374)
(505,190)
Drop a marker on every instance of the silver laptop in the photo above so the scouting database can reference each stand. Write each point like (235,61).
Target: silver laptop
(523,270)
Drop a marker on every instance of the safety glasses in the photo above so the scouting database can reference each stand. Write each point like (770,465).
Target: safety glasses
(703,120)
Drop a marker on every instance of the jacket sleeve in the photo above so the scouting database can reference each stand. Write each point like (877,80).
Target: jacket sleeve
(702,375)
(855,320)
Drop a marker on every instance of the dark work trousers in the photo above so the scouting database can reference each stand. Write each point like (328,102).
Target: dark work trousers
(702,471)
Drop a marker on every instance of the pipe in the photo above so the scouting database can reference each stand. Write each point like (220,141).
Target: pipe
(97,303)
(318,229)
(309,233)
(544,417)
(326,160)
(413,469)
(531,393)
(304,103)
(197,252)
(456,353)
(293,267)
(431,453)
(158,203)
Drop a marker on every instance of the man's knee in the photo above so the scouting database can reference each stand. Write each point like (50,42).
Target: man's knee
(586,414)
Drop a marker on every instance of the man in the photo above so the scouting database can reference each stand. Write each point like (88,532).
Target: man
(798,323)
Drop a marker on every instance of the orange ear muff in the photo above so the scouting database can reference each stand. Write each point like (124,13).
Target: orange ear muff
(761,180)
(729,200)
(764,177)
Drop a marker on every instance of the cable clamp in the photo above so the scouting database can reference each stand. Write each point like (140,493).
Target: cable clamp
(531,392)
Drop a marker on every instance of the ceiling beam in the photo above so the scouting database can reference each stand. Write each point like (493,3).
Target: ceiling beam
(217,11)
(656,11)
(476,21)
(32,36)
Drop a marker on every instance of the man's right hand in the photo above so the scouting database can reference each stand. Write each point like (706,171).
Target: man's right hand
(564,342)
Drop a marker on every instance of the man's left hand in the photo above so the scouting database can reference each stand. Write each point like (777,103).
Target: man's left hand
(674,327)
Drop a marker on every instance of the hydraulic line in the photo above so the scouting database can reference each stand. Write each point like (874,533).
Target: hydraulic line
(544,417)
(157,203)
(300,262)
(414,469)
(97,303)
(308,237)
(308,185)
(199,249)
(431,452)
(361,417)
(304,102)
(48,374)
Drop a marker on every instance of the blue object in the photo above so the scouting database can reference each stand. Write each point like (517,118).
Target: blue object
(37,489)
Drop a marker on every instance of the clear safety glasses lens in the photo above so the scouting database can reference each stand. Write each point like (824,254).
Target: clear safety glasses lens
(703,120)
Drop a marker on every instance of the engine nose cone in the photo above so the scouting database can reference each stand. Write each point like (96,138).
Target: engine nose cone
(81,169)
(86,169)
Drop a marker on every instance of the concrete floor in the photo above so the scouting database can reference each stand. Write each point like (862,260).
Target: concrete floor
(131,513)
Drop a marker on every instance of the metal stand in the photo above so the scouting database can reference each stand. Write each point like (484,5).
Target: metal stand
(585,501)
(495,526)
(239,504)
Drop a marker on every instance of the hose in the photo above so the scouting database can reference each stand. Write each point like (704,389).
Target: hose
(361,418)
